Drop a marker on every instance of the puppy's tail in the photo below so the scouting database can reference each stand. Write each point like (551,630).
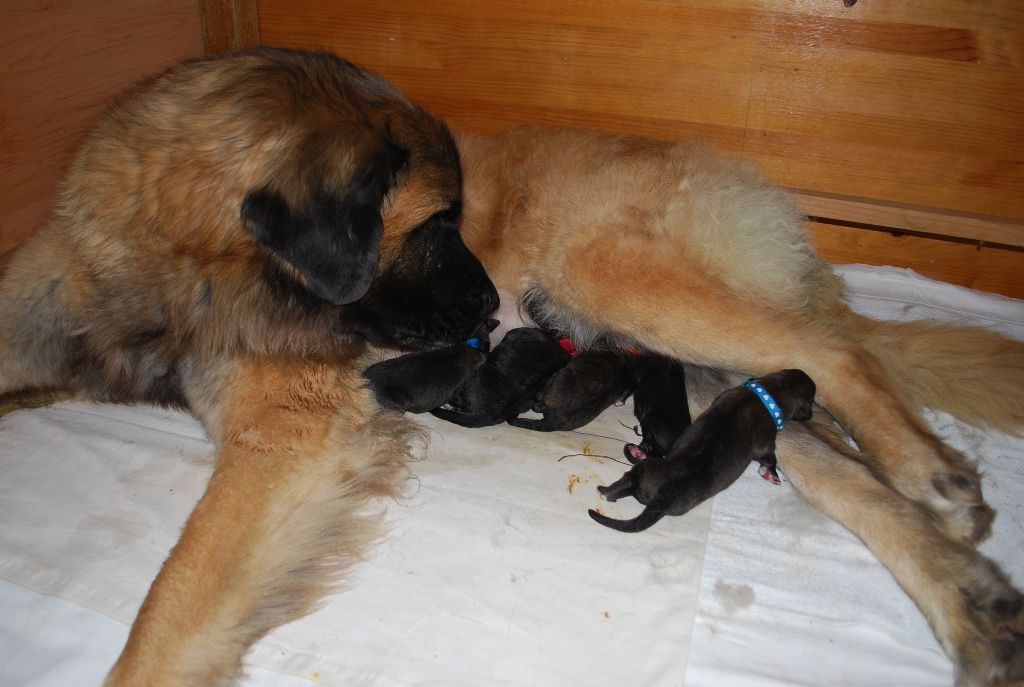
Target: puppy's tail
(536,424)
(677,491)
(462,419)
(637,524)
(972,373)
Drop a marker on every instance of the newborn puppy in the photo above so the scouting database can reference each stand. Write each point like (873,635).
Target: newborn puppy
(593,380)
(660,405)
(506,383)
(712,453)
(420,381)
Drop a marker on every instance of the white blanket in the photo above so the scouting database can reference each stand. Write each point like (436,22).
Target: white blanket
(493,574)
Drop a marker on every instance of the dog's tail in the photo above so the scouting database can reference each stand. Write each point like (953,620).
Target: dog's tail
(972,373)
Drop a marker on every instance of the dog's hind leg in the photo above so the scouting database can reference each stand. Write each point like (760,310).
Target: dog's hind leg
(674,307)
(33,398)
(976,613)
(36,330)
(301,455)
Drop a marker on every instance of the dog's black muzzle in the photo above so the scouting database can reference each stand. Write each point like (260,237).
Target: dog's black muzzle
(435,293)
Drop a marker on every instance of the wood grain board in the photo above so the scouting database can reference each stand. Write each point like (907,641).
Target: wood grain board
(60,63)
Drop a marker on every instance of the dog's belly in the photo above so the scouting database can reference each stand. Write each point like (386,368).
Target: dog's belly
(510,315)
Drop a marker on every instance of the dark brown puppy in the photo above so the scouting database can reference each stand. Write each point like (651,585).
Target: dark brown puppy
(660,405)
(227,238)
(424,380)
(713,452)
(592,381)
(505,385)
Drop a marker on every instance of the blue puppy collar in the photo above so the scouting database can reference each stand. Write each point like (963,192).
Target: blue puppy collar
(474,343)
(766,398)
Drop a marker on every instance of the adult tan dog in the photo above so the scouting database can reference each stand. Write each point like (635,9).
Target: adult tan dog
(682,250)
(227,240)
(235,231)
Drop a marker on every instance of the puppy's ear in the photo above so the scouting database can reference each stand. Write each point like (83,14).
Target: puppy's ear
(333,240)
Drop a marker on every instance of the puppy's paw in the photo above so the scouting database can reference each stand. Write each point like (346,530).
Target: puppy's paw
(634,453)
(769,474)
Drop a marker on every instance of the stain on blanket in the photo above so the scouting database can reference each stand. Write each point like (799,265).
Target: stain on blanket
(733,597)
(573,481)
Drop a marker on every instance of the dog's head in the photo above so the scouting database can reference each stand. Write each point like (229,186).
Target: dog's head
(363,212)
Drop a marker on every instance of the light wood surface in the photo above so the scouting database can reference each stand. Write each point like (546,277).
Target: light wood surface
(229,24)
(62,61)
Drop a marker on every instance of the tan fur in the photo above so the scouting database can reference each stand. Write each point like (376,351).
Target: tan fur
(969,372)
(289,509)
(145,287)
(685,251)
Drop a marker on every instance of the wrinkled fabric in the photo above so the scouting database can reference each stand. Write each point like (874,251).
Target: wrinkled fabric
(493,575)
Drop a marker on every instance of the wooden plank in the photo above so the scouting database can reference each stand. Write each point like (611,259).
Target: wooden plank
(998,270)
(916,103)
(229,24)
(910,218)
(60,63)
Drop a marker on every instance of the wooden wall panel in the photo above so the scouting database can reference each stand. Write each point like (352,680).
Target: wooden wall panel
(918,102)
(60,62)
(229,25)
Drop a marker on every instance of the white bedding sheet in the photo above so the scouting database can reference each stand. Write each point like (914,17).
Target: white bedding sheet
(493,574)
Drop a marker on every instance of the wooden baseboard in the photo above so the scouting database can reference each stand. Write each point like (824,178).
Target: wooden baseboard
(937,222)
(967,263)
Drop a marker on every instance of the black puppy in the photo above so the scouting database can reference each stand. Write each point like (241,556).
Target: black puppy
(421,381)
(712,453)
(660,405)
(593,380)
(508,380)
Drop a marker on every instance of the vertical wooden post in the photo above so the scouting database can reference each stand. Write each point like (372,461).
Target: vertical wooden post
(229,24)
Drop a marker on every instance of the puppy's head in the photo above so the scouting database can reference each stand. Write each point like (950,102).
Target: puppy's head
(363,211)
(794,390)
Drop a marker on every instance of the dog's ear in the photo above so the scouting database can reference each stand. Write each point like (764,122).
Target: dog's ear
(333,240)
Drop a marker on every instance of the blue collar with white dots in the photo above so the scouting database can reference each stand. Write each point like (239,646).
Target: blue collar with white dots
(766,398)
